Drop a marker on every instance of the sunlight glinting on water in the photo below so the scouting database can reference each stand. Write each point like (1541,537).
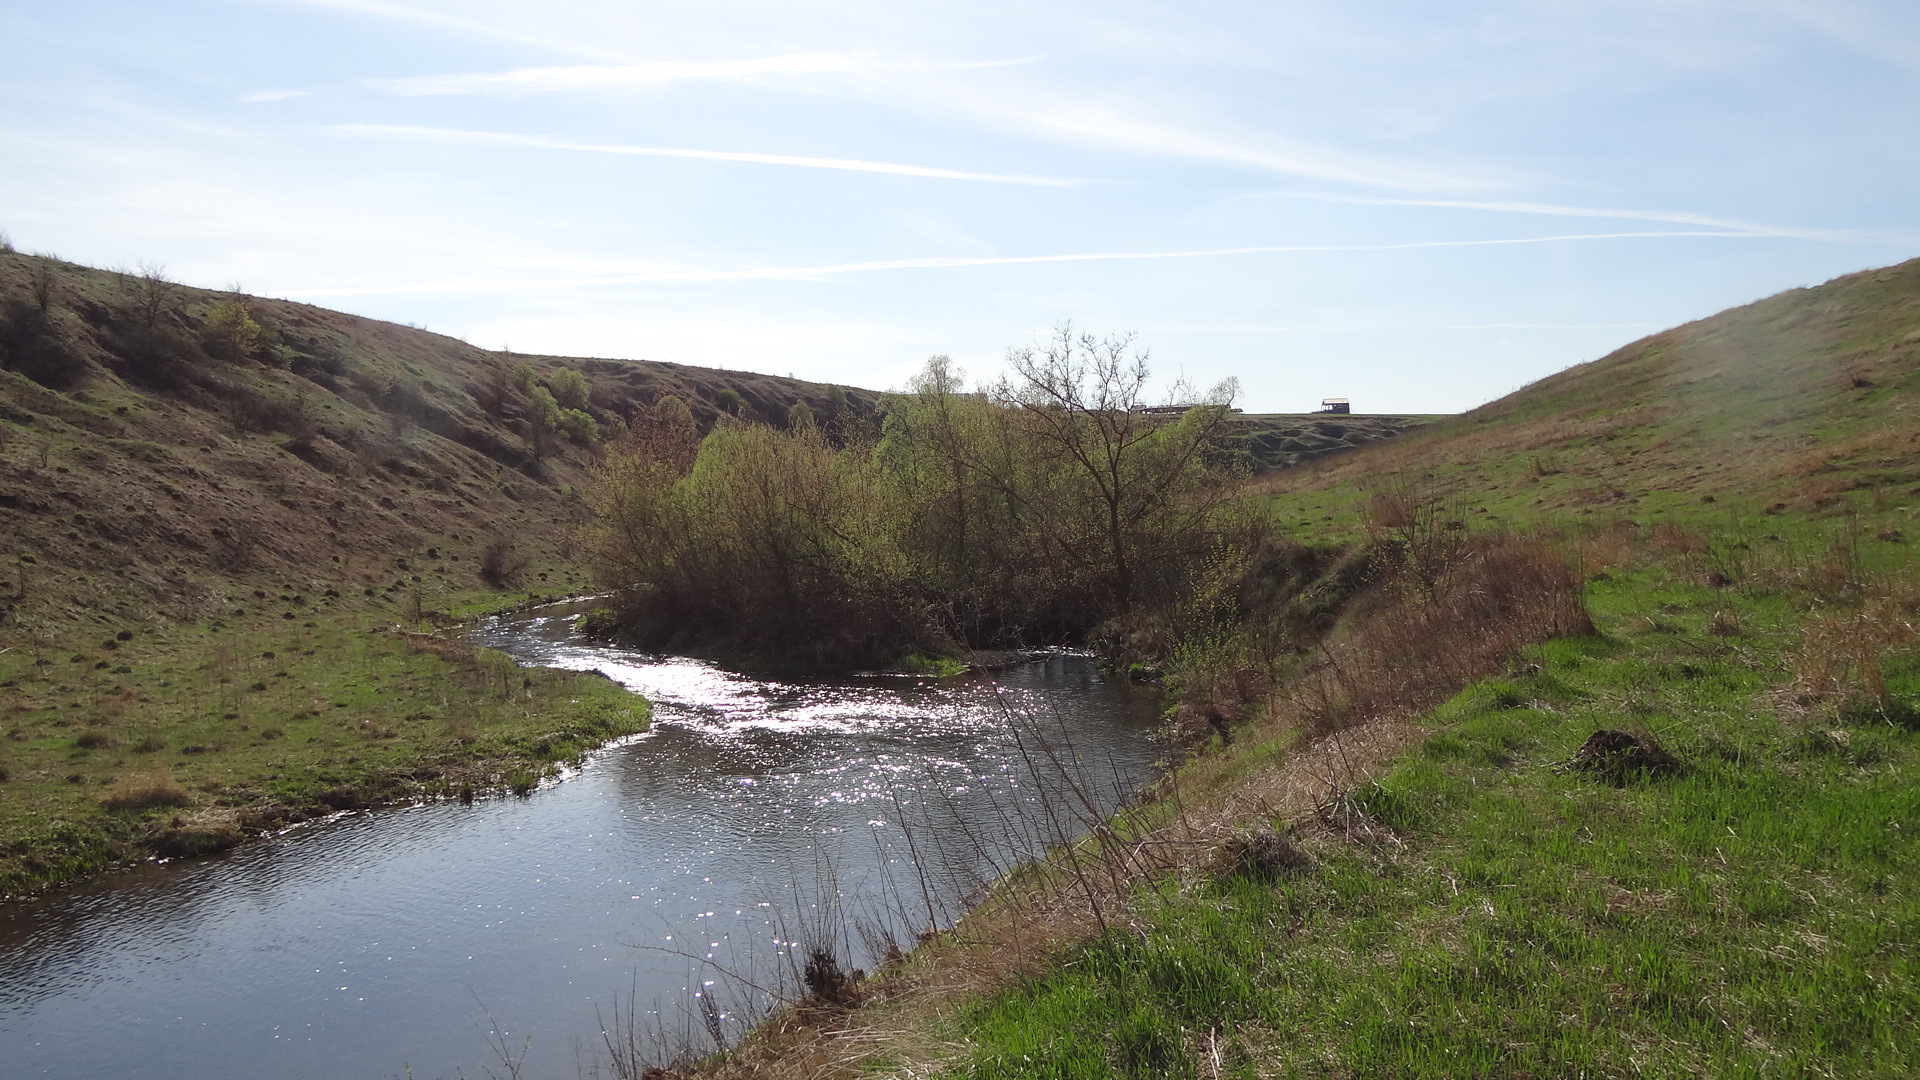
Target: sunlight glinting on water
(756,814)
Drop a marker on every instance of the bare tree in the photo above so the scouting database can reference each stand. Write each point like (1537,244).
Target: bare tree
(1083,398)
(40,281)
(152,290)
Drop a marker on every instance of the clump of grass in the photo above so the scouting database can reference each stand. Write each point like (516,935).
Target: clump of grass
(936,666)
(523,781)
(1619,756)
(154,791)
(1266,855)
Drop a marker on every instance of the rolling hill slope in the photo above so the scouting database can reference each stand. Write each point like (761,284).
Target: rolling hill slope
(1790,402)
(164,450)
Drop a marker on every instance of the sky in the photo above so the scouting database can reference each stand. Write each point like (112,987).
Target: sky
(1418,206)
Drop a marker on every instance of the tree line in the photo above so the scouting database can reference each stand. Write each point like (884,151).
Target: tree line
(1044,507)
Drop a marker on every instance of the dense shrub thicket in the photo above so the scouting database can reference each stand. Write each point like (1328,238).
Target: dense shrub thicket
(1039,509)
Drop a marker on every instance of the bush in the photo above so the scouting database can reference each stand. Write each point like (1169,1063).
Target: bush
(230,332)
(994,521)
(772,542)
(30,345)
(160,358)
(579,427)
(500,563)
(569,388)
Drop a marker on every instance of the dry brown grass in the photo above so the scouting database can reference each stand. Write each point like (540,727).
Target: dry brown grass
(149,792)
(1840,665)
(1447,617)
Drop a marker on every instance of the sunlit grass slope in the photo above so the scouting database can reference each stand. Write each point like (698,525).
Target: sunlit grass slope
(1483,910)
(1789,403)
(1470,889)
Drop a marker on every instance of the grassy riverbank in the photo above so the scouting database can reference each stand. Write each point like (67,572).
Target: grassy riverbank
(1464,892)
(1742,905)
(1401,850)
(182,739)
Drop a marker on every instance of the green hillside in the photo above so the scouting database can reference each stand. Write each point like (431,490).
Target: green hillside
(1578,735)
(1804,401)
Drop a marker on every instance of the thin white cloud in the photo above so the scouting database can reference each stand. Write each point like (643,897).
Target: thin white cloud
(808,273)
(273,95)
(1031,110)
(537,142)
(405,13)
(601,77)
(1672,217)
(1129,129)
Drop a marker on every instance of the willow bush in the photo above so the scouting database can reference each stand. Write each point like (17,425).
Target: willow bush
(1037,510)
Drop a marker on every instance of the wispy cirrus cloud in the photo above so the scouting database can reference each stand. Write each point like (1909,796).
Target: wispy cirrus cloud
(588,77)
(1145,128)
(540,142)
(1032,109)
(382,9)
(942,262)
(535,80)
(1673,217)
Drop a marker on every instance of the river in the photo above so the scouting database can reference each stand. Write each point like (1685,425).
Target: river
(756,812)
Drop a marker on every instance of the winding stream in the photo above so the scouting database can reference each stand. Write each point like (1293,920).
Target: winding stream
(756,812)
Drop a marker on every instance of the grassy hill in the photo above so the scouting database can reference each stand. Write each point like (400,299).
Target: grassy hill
(181,447)
(1280,440)
(228,526)
(1604,761)
(1805,401)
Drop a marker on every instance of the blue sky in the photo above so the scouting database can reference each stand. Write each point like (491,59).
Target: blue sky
(1419,206)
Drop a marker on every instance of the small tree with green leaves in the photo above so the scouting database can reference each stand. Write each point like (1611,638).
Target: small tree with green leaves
(579,427)
(230,331)
(570,388)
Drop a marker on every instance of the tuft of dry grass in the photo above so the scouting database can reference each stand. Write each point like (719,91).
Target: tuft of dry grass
(1842,657)
(153,791)
(1439,623)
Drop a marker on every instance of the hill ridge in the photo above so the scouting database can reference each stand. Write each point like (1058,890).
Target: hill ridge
(179,442)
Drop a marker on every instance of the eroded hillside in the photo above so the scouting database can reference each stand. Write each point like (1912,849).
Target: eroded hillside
(164,451)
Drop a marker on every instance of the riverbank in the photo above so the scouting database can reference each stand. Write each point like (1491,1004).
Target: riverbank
(163,741)
(1479,888)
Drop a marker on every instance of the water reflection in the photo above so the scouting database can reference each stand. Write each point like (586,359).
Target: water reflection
(365,944)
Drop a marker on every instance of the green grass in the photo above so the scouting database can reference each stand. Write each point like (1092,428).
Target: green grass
(939,667)
(1756,914)
(266,721)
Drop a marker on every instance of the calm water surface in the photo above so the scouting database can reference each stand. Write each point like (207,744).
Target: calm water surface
(756,812)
